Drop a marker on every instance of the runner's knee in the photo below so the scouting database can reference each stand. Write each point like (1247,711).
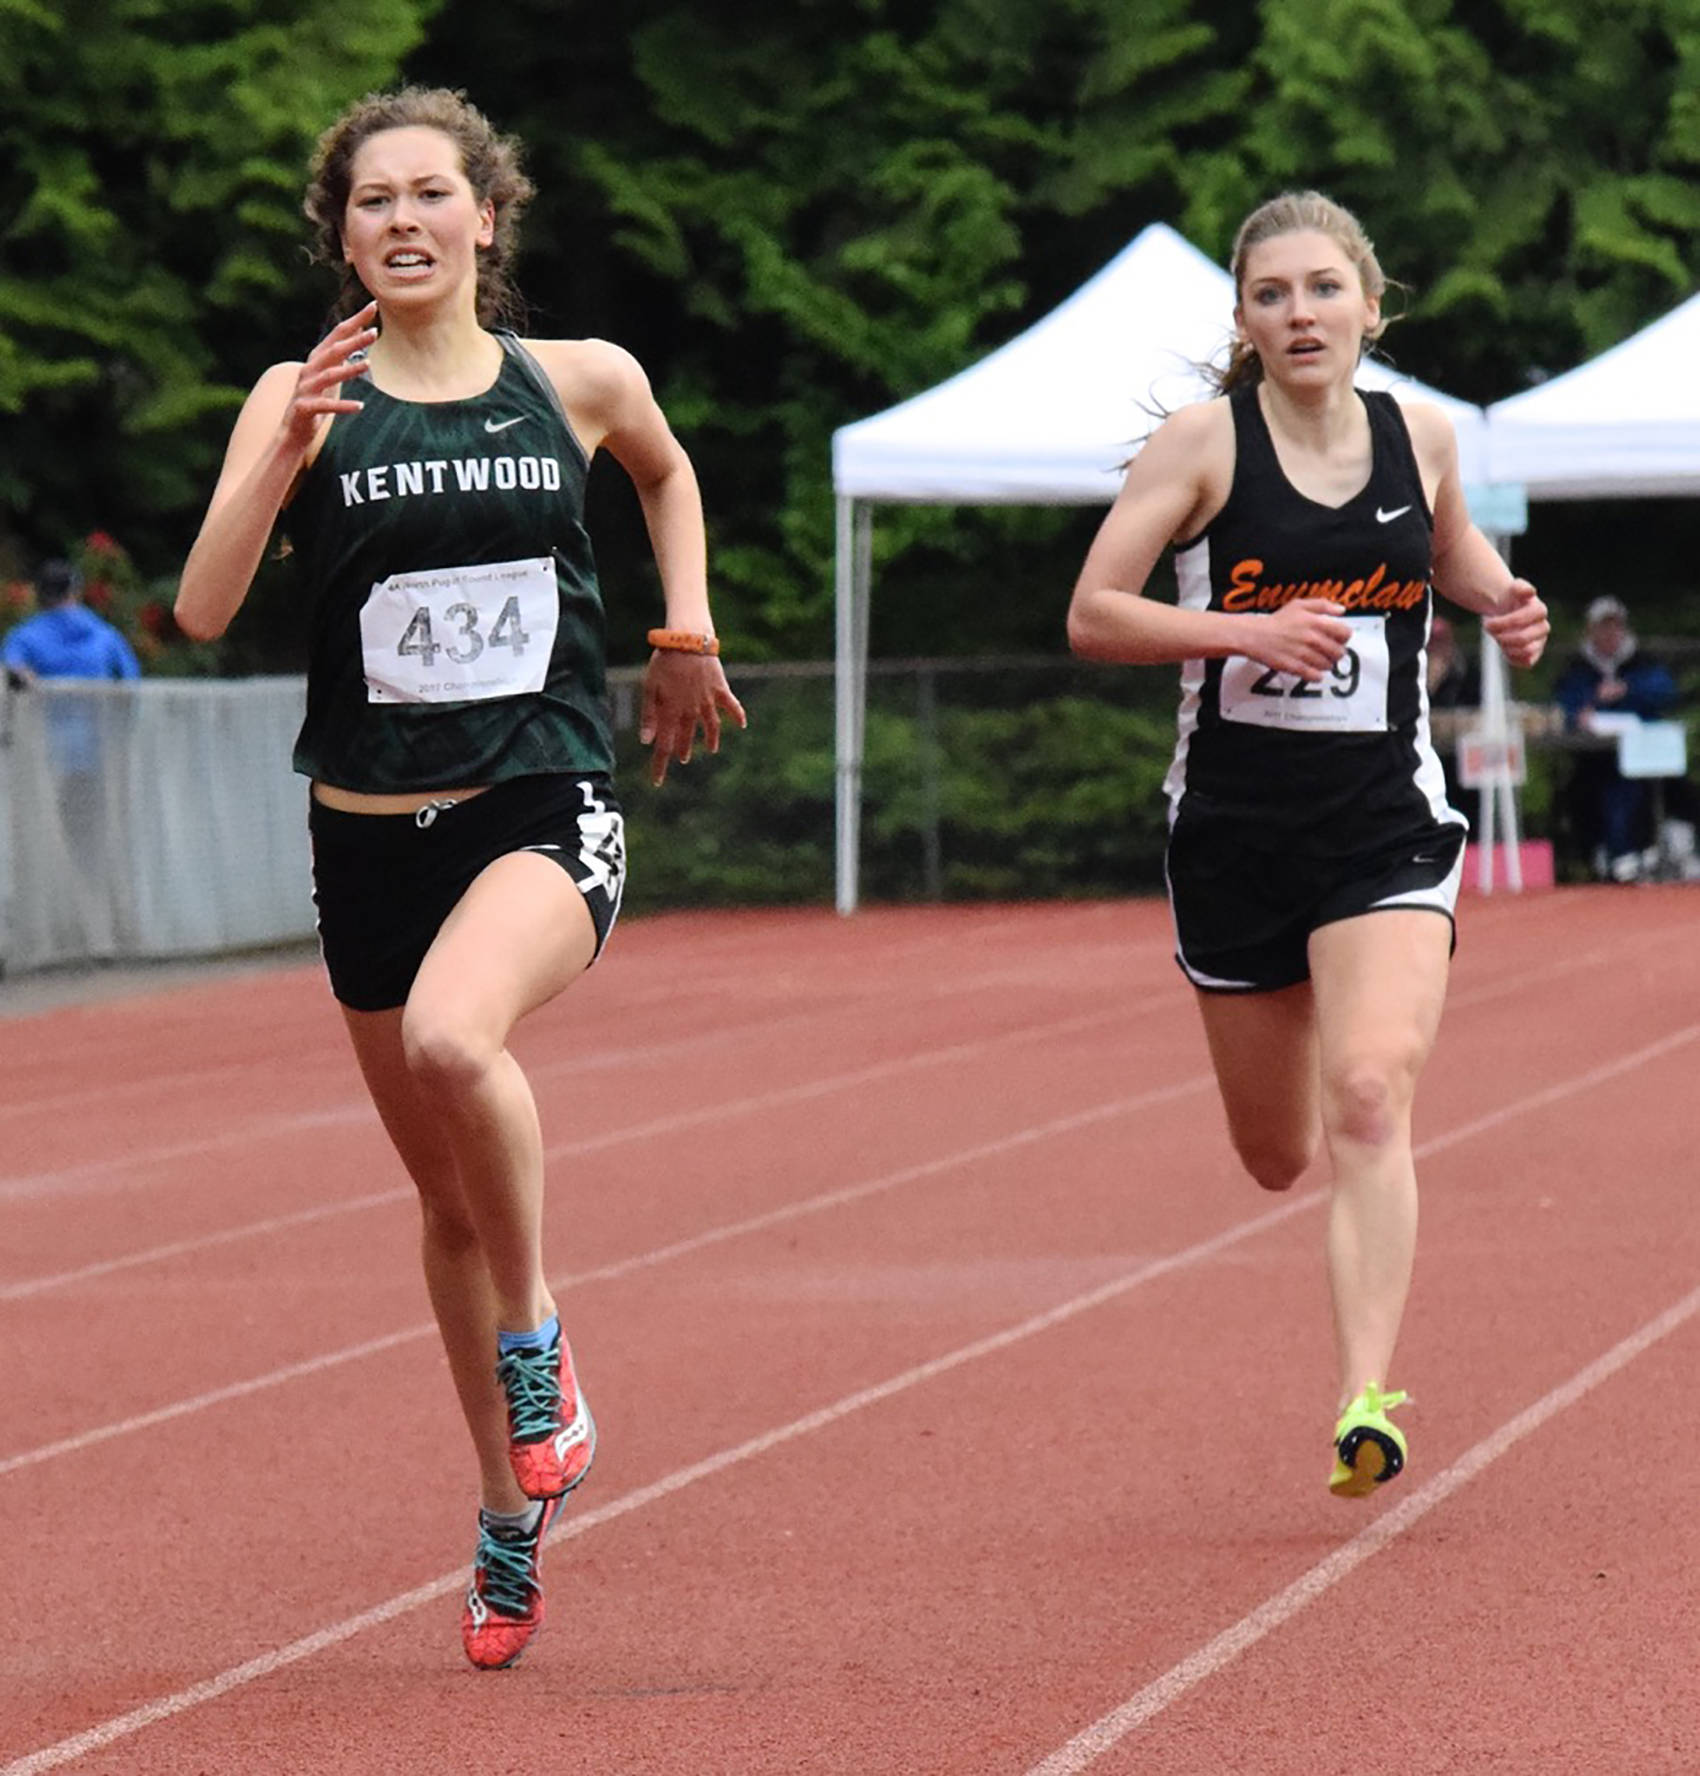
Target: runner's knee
(446,1055)
(1366,1103)
(1274,1164)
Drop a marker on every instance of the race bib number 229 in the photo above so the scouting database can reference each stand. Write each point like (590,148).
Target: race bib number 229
(460,634)
(1352,699)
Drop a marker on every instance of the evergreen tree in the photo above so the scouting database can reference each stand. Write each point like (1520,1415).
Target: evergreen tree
(151,164)
(1530,168)
(798,215)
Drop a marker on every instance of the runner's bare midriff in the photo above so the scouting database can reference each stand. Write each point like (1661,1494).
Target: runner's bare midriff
(359,801)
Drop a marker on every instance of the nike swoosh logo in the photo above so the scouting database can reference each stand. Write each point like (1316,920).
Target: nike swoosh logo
(501,425)
(1381,517)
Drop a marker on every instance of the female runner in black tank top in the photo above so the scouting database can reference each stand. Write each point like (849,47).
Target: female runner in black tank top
(1313,861)
(468,854)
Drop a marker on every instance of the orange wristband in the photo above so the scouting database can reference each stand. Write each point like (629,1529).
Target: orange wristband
(683,641)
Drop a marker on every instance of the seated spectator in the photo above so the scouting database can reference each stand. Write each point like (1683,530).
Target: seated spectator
(1610,815)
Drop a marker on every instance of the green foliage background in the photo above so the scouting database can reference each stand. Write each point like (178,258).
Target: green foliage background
(1015,781)
(798,215)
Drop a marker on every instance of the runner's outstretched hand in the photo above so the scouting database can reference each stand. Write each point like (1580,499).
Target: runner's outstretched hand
(683,694)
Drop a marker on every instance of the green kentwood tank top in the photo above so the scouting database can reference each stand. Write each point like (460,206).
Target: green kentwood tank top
(456,626)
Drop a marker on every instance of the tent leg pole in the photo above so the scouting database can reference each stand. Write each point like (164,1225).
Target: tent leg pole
(851,576)
(1501,792)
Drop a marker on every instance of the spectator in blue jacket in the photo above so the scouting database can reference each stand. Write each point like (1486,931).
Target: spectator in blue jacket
(1610,675)
(65,639)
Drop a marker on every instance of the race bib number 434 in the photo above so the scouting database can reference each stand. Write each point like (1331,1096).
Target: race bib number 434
(1352,699)
(460,634)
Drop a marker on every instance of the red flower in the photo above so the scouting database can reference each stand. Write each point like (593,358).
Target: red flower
(97,542)
(97,595)
(154,618)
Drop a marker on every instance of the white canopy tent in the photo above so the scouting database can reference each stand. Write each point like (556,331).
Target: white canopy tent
(1048,419)
(1626,424)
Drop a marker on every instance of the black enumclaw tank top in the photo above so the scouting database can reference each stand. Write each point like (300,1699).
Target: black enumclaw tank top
(456,630)
(1334,764)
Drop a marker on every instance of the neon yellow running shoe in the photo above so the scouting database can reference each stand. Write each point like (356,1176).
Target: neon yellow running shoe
(1369,1449)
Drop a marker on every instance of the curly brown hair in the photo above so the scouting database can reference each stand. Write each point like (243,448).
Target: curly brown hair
(1298,212)
(490,161)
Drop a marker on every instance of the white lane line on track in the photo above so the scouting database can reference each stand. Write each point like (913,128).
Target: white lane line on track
(199,1082)
(289,1126)
(666,1125)
(255,1670)
(1485,992)
(713,1236)
(793,1211)
(225,1236)
(361,1111)
(1124,952)
(1105,1733)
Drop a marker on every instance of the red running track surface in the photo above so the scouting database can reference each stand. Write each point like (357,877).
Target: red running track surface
(963,1409)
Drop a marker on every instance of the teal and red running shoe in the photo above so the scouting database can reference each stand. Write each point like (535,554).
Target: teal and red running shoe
(551,1435)
(504,1602)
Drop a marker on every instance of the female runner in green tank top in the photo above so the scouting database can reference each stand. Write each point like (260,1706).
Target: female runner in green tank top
(468,852)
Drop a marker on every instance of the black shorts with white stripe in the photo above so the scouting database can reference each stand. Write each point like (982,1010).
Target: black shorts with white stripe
(384,883)
(1245,903)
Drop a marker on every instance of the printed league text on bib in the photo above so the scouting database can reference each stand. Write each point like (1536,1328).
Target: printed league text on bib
(460,634)
(1352,699)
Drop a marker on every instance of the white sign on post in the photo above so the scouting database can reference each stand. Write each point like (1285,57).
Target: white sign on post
(1486,759)
(1498,508)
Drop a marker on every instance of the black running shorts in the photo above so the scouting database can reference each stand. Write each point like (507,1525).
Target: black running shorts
(384,883)
(1245,903)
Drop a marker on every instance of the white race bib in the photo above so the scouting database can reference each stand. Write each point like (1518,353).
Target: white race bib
(460,634)
(1351,699)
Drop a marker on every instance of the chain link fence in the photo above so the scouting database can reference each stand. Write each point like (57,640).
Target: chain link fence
(161,819)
